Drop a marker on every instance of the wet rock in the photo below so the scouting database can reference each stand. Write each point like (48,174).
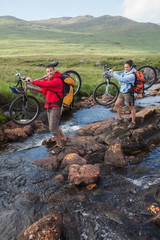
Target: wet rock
(14,135)
(59,178)
(140,170)
(85,147)
(29,197)
(39,127)
(105,136)
(135,160)
(157,194)
(10,132)
(157,219)
(1,136)
(72,158)
(115,215)
(85,102)
(48,227)
(85,174)
(136,139)
(97,128)
(43,117)
(145,114)
(114,156)
(140,138)
(28,130)
(50,163)
(155,91)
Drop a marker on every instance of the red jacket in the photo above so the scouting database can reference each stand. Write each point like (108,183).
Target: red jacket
(50,88)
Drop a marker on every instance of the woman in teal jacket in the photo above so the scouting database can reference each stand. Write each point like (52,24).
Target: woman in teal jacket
(126,81)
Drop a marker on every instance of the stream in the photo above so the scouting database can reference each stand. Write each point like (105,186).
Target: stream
(113,211)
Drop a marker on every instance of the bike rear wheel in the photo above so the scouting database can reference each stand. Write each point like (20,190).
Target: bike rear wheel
(76,77)
(24,110)
(106,93)
(150,75)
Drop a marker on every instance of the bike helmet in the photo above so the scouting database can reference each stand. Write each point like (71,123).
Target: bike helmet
(17,90)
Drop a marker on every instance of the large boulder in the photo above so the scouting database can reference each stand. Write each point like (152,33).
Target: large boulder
(84,174)
(50,163)
(114,156)
(72,158)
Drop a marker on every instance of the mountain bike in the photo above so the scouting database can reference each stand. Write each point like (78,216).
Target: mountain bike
(26,108)
(107,92)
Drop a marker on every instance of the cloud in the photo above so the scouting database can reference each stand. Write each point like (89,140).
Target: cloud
(142,10)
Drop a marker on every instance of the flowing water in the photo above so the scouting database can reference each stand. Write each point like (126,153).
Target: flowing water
(23,187)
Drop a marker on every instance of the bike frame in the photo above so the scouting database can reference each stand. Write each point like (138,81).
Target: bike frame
(26,85)
(107,86)
(106,76)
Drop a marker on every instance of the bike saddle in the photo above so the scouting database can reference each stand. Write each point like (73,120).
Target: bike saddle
(55,63)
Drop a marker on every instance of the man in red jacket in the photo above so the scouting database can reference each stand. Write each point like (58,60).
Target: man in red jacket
(52,87)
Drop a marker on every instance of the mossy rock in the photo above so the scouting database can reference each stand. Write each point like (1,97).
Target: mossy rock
(158,110)
(3,119)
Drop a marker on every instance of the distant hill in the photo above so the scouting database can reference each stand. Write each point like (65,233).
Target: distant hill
(105,34)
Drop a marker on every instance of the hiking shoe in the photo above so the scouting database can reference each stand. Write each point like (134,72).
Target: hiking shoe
(119,121)
(66,140)
(56,150)
(48,141)
(132,125)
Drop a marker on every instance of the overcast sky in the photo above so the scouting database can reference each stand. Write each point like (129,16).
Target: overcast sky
(138,10)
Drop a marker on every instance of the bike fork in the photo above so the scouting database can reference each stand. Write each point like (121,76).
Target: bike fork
(25,103)
(107,87)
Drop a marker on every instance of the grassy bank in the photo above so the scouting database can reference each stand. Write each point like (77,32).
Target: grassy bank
(85,65)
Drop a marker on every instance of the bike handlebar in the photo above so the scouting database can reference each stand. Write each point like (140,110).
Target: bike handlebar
(20,77)
(106,68)
(23,78)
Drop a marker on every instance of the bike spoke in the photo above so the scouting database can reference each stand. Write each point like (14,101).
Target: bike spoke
(149,75)
(105,94)
(76,77)
(24,110)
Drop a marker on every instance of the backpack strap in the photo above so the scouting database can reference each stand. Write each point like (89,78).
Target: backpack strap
(131,90)
(60,101)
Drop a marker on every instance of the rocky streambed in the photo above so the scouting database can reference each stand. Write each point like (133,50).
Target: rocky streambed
(105,184)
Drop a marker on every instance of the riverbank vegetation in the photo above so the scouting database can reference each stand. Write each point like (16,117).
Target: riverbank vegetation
(90,68)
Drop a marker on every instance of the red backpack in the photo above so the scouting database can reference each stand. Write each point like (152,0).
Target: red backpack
(139,83)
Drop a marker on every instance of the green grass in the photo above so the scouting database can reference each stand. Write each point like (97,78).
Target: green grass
(34,66)
(104,35)
(23,47)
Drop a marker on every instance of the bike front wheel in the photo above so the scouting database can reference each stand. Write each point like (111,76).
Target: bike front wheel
(106,93)
(150,75)
(24,110)
(76,77)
